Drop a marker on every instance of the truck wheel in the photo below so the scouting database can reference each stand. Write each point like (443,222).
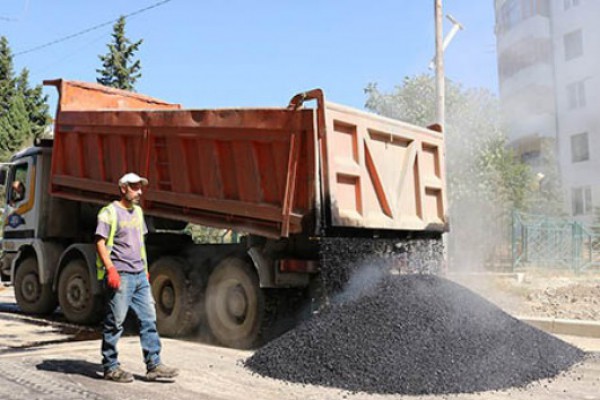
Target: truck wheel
(32,296)
(77,301)
(177,311)
(235,304)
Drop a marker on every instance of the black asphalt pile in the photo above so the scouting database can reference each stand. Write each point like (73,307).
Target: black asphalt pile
(414,334)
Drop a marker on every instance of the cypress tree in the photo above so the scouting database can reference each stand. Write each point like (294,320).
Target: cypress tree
(7,82)
(15,127)
(35,103)
(119,69)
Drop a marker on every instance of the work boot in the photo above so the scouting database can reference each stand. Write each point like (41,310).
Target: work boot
(161,371)
(118,375)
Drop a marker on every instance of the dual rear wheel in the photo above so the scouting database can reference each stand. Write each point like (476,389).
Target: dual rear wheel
(230,302)
(235,304)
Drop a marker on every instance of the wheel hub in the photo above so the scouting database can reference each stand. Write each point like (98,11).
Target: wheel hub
(77,292)
(237,302)
(31,288)
(167,298)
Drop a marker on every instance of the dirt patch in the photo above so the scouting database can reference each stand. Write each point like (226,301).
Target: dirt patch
(548,294)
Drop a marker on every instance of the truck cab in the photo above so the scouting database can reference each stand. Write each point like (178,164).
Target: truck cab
(40,233)
(22,229)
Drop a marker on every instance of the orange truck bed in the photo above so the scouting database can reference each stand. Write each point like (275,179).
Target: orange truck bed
(268,171)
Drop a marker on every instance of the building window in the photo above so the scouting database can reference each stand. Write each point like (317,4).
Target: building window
(581,198)
(573,45)
(580,148)
(576,95)
(571,3)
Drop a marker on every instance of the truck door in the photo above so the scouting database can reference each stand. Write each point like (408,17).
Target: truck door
(19,221)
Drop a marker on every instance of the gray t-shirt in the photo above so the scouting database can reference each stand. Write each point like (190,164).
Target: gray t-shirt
(126,252)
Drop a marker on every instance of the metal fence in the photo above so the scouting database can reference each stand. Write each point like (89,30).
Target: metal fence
(549,242)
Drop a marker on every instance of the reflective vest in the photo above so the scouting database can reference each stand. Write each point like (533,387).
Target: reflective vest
(112,212)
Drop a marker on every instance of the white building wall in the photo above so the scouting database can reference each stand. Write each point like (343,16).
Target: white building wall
(555,118)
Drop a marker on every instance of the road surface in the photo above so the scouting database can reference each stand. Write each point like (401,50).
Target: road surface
(47,360)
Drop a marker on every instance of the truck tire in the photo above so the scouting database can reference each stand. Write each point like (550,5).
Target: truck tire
(32,296)
(235,304)
(75,296)
(177,309)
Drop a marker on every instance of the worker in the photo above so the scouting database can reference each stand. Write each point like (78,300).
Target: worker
(123,266)
(17,192)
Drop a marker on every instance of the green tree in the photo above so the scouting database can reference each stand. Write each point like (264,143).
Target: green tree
(15,127)
(35,103)
(7,83)
(119,69)
(23,110)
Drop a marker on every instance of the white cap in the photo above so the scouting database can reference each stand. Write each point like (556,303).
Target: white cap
(132,177)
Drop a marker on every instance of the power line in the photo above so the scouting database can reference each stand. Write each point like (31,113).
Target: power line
(11,19)
(93,28)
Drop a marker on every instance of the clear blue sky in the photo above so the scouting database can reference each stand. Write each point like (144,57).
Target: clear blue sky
(215,53)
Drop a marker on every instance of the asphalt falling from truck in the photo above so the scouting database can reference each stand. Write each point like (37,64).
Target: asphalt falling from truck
(414,334)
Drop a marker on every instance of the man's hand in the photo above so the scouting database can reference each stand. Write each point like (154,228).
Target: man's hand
(113,279)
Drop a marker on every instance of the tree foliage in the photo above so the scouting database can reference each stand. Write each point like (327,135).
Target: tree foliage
(479,163)
(119,68)
(35,103)
(23,109)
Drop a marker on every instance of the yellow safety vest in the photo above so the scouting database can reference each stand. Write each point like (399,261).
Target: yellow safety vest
(100,268)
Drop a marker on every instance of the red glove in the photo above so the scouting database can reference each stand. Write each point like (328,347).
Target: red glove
(113,278)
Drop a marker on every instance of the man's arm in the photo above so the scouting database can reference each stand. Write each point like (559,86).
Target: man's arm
(103,252)
(112,276)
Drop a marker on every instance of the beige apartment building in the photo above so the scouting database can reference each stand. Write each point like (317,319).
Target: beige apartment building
(549,77)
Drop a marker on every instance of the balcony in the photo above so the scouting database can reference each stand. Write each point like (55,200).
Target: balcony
(534,27)
(537,75)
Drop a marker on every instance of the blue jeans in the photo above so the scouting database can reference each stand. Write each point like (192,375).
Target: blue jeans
(134,293)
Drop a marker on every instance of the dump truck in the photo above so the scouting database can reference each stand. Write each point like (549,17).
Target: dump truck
(296,184)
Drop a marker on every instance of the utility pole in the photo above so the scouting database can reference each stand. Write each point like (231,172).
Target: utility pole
(440,86)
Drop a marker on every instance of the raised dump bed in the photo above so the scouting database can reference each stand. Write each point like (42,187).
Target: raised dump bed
(267,171)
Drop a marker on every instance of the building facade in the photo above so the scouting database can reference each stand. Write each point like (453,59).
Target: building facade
(549,77)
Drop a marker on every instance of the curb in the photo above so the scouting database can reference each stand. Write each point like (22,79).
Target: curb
(573,327)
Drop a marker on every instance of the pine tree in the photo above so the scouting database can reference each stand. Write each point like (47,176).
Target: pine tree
(119,70)
(15,127)
(6,75)
(35,103)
